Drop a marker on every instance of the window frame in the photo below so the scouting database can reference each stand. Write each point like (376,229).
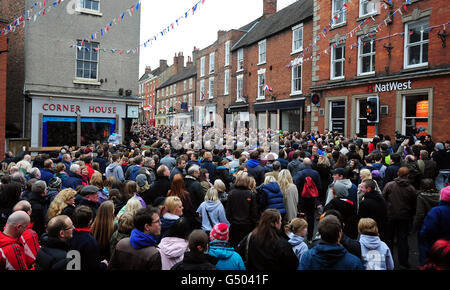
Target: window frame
(374,12)
(226,82)
(262,43)
(334,13)
(97,62)
(420,43)
(212,63)
(261,85)
(211,92)
(240,59)
(239,79)
(227,53)
(293,91)
(333,61)
(201,89)
(361,55)
(202,66)
(294,29)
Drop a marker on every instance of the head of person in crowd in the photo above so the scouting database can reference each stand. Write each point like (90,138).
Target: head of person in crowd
(365,174)
(269,224)
(39,188)
(178,188)
(16,224)
(97,180)
(330,229)
(297,226)
(35,173)
(163,171)
(64,198)
(147,221)
(219,186)
(82,217)
(338,174)
(23,205)
(403,172)
(368,227)
(323,161)
(204,175)
(445,194)
(438,257)
(60,227)
(368,185)
(130,189)
(125,223)
(173,205)
(75,168)
(428,185)
(198,242)
(242,180)
(90,193)
(103,226)
(194,171)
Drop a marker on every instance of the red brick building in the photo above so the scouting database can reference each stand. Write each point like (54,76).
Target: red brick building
(407,74)
(275,88)
(3,73)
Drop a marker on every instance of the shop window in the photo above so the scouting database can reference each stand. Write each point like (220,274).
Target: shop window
(361,118)
(415,115)
(290,120)
(337,116)
(96,129)
(58,130)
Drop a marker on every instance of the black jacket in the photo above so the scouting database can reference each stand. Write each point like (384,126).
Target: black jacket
(271,256)
(348,211)
(158,189)
(38,213)
(374,206)
(86,244)
(102,162)
(223,173)
(53,255)
(195,261)
(195,190)
(391,172)
(242,207)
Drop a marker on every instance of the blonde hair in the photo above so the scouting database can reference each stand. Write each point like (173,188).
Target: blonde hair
(207,155)
(368,226)
(133,205)
(323,159)
(219,185)
(365,174)
(172,202)
(97,180)
(241,179)
(212,194)
(284,180)
(269,179)
(295,225)
(60,202)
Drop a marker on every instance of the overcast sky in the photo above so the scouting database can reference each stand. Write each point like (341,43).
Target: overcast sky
(198,30)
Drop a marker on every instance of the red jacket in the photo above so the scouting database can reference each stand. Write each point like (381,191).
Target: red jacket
(12,254)
(90,171)
(30,241)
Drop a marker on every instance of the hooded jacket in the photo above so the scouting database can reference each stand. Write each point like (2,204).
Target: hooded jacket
(223,173)
(255,170)
(72,181)
(272,197)
(329,257)
(53,255)
(115,170)
(425,202)
(400,198)
(195,190)
(167,220)
(12,256)
(374,206)
(351,191)
(216,212)
(228,258)
(376,255)
(195,261)
(298,245)
(242,207)
(211,167)
(435,226)
(172,251)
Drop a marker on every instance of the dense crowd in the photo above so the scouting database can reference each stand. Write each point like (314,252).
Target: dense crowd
(321,201)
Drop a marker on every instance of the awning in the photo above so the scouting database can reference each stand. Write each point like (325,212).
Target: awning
(280,105)
(238,108)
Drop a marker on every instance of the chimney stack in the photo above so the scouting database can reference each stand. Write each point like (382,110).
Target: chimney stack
(148,69)
(269,7)
(163,64)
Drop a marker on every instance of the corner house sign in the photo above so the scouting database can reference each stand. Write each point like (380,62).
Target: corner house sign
(389,86)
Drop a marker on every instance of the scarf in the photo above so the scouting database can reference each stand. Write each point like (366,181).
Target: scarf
(141,240)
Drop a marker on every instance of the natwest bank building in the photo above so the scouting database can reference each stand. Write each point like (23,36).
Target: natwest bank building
(58,121)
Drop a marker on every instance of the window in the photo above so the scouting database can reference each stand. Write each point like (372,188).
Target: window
(339,12)
(227,53)
(366,56)
(87,60)
(190,102)
(261,83)
(211,62)
(416,44)
(226,85)
(262,52)
(239,88)
(202,90)
(184,85)
(90,4)
(190,83)
(167,91)
(211,88)
(361,118)
(202,66)
(367,7)
(415,115)
(296,87)
(337,116)
(240,59)
(337,61)
(297,38)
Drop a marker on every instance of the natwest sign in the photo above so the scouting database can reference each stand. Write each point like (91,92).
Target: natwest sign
(389,86)
(77,109)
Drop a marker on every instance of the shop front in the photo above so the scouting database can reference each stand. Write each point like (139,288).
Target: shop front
(284,115)
(71,121)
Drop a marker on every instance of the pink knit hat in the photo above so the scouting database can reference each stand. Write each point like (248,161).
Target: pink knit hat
(219,232)
(445,194)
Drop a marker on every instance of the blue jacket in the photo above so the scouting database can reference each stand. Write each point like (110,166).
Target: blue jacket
(329,257)
(211,167)
(46,175)
(435,226)
(229,259)
(72,181)
(284,163)
(255,170)
(375,253)
(272,197)
(86,244)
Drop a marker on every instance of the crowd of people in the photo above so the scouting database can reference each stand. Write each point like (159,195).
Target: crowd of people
(322,201)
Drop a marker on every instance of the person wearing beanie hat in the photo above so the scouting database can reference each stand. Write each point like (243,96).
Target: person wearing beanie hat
(220,248)
(436,224)
(141,180)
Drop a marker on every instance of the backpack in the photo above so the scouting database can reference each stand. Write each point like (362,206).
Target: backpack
(134,172)
(309,188)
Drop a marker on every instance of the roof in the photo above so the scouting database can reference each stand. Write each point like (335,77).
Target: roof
(283,19)
(154,72)
(185,74)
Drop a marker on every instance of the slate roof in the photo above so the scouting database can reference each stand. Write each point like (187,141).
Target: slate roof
(289,16)
(154,72)
(185,74)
